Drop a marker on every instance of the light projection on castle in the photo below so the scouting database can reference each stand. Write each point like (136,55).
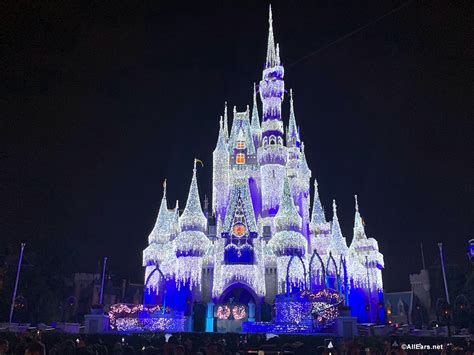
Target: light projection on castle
(263,243)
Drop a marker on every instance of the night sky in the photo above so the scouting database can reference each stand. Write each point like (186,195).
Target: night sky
(101,101)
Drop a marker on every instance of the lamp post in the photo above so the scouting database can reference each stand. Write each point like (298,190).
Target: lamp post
(448,307)
(16,282)
(103,278)
(440,246)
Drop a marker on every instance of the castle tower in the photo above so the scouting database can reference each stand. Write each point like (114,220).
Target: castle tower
(243,155)
(272,154)
(220,174)
(288,240)
(191,243)
(255,124)
(365,268)
(156,253)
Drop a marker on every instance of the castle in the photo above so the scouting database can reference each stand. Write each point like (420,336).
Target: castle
(261,218)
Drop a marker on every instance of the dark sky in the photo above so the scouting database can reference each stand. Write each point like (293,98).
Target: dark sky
(103,100)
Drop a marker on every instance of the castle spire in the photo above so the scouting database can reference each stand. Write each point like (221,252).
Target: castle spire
(161,230)
(221,142)
(338,244)
(304,164)
(359,229)
(287,217)
(255,124)
(226,123)
(193,217)
(317,215)
(292,138)
(271,51)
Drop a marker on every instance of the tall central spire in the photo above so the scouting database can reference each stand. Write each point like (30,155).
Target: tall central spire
(272,58)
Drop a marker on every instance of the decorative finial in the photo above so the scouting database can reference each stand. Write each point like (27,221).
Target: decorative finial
(270,18)
(356,203)
(248,109)
(291,96)
(235,110)
(196,160)
(302,147)
(164,188)
(334,207)
(254,92)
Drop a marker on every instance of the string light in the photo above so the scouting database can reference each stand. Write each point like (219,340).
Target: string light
(269,189)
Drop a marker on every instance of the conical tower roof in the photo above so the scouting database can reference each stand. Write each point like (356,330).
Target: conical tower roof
(221,145)
(317,215)
(193,217)
(359,229)
(272,57)
(287,217)
(255,124)
(163,226)
(338,244)
(293,137)
(304,163)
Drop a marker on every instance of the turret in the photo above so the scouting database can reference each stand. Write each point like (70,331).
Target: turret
(241,146)
(220,174)
(272,153)
(288,239)
(292,134)
(318,216)
(159,251)
(255,123)
(338,244)
(226,123)
(191,243)
(361,248)
(164,230)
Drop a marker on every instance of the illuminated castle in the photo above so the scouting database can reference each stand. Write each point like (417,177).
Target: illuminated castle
(260,218)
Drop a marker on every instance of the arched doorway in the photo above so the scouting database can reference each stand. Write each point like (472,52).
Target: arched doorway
(232,307)
(239,293)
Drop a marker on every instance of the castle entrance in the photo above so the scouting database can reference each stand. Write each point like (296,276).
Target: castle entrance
(233,308)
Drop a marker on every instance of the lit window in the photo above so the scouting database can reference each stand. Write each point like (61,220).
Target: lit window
(240,159)
(240,144)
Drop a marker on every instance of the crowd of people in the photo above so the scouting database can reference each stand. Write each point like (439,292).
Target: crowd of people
(53,343)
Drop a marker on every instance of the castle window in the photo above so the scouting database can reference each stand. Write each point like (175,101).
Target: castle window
(240,145)
(272,140)
(240,158)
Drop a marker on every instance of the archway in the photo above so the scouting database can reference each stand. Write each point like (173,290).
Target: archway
(240,293)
